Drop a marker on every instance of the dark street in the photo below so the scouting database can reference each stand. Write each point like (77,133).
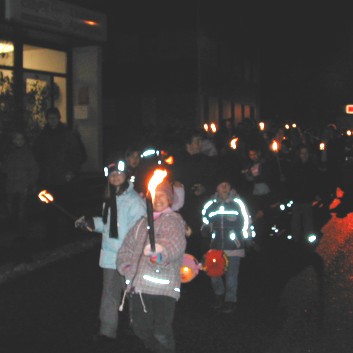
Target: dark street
(290,300)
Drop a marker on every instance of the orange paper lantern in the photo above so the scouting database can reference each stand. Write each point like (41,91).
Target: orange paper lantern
(189,269)
(215,263)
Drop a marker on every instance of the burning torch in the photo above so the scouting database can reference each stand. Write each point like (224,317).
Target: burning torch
(275,149)
(157,177)
(48,198)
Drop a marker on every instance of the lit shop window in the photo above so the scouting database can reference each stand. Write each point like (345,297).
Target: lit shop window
(6,53)
(6,96)
(45,85)
(43,59)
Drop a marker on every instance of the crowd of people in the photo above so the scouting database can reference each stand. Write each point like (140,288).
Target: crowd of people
(217,199)
(219,194)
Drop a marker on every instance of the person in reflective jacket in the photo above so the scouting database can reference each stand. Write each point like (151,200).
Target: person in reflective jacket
(122,208)
(153,277)
(227,225)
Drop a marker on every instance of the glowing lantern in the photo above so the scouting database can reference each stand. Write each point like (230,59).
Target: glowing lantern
(205,127)
(349,133)
(294,126)
(215,263)
(189,269)
(287,127)
(322,146)
(262,126)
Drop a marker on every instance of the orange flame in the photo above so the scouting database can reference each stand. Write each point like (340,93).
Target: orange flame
(213,127)
(169,160)
(274,146)
(157,177)
(233,143)
(44,196)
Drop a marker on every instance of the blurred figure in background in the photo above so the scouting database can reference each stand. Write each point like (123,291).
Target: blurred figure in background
(21,171)
(303,187)
(196,172)
(60,158)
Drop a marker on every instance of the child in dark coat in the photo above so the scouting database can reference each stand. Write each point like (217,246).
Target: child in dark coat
(227,224)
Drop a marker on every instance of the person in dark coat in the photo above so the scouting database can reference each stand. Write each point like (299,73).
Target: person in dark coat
(303,190)
(21,171)
(196,172)
(59,155)
(258,173)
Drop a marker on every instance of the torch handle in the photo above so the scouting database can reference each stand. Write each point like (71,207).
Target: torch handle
(150,223)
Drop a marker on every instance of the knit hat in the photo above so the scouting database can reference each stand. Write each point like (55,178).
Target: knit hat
(223,177)
(167,188)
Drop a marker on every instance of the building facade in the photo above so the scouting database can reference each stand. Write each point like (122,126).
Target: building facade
(172,67)
(51,56)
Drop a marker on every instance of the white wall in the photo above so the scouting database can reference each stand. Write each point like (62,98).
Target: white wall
(87,102)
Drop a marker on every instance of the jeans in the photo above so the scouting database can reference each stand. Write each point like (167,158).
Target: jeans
(228,284)
(154,327)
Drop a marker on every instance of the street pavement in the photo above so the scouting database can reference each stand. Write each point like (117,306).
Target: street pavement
(39,248)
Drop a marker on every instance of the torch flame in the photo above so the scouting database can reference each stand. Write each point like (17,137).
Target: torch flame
(233,143)
(274,146)
(157,177)
(169,160)
(213,127)
(44,196)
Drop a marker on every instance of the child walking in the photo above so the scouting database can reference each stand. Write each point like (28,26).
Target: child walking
(227,225)
(153,278)
(122,208)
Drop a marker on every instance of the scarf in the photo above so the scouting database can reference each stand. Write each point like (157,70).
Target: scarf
(113,227)
(157,214)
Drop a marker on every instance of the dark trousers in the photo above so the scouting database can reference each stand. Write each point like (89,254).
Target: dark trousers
(154,327)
